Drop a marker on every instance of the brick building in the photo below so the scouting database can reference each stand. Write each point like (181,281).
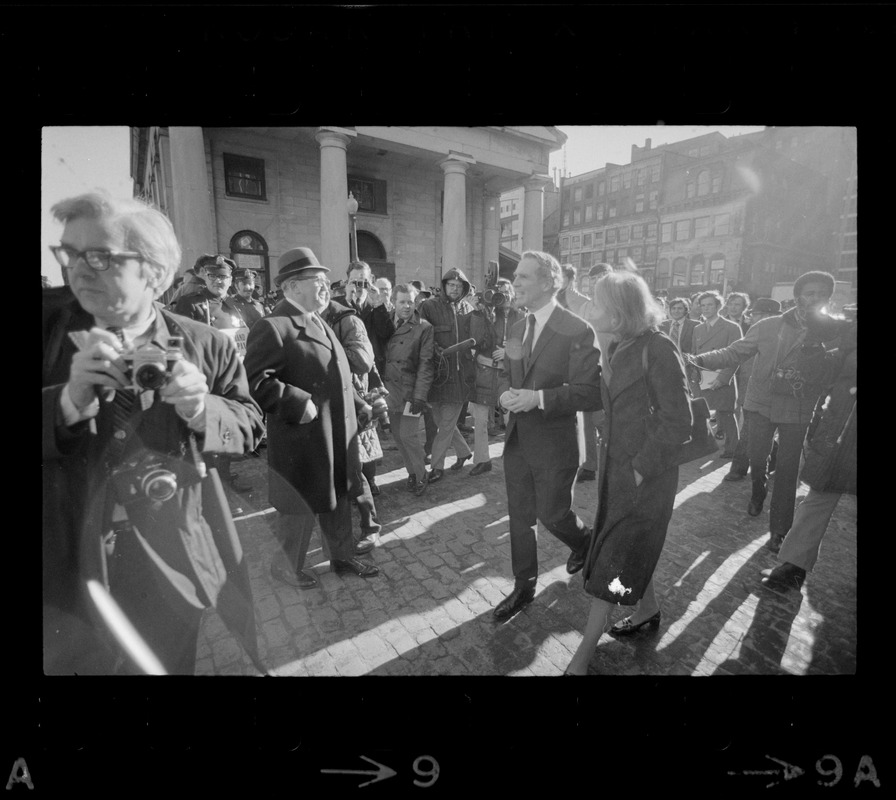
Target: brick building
(709,213)
(429,198)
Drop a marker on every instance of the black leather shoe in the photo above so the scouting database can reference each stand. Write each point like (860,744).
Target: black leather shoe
(237,484)
(577,559)
(734,476)
(434,475)
(478,469)
(586,475)
(514,602)
(420,488)
(625,627)
(411,482)
(784,578)
(360,568)
(726,455)
(754,509)
(301,579)
(774,542)
(459,464)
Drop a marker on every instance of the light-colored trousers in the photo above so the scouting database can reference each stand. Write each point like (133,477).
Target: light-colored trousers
(810,521)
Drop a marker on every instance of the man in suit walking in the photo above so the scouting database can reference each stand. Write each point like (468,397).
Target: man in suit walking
(680,327)
(300,376)
(554,370)
(715,333)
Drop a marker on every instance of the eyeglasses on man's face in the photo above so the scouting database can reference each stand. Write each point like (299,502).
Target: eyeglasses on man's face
(99,260)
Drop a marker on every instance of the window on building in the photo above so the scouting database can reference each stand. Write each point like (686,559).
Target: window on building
(650,254)
(624,233)
(615,183)
(663,272)
(682,230)
(651,230)
(642,177)
(598,238)
(577,194)
(589,212)
(611,236)
(723,225)
(694,152)
(586,260)
(576,242)
(576,260)
(636,253)
(697,271)
(370,194)
(701,227)
(689,190)
(652,199)
(680,272)
(703,183)
(627,179)
(717,268)
(600,211)
(598,257)
(611,211)
(586,241)
(513,207)
(506,230)
(639,203)
(566,197)
(564,243)
(577,216)
(717,183)
(250,251)
(565,219)
(601,189)
(589,191)
(621,253)
(667,232)
(655,174)
(637,231)
(705,150)
(244,177)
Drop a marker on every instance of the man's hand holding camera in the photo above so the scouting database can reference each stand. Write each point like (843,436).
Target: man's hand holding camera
(357,291)
(185,390)
(97,364)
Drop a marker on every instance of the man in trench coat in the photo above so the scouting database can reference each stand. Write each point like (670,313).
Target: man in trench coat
(300,376)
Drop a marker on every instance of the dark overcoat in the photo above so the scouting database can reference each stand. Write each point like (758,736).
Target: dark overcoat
(291,362)
(491,331)
(830,464)
(716,337)
(631,521)
(409,365)
(188,548)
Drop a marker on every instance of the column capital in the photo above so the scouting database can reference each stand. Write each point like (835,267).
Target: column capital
(335,137)
(456,163)
(536,182)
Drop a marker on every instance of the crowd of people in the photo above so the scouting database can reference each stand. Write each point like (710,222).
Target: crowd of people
(151,389)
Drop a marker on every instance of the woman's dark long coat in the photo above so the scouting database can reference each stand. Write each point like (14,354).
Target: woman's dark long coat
(631,521)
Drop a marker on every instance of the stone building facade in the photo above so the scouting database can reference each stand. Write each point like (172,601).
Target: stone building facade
(429,198)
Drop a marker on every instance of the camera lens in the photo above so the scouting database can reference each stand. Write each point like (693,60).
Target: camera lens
(150,376)
(160,485)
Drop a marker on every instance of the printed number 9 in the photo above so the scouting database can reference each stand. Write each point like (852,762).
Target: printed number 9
(432,772)
(836,772)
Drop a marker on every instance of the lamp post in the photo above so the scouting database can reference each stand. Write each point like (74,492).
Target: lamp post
(352,205)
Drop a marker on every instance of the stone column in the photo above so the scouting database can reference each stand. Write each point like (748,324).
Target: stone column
(335,251)
(533,212)
(192,214)
(454,216)
(491,229)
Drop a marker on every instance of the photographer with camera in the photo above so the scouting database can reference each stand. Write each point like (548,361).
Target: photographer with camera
(790,371)
(134,398)
(490,326)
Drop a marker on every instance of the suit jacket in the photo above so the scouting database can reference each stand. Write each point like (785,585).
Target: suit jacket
(292,363)
(565,364)
(686,341)
(188,547)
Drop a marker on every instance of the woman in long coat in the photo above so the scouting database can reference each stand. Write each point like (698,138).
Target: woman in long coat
(648,419)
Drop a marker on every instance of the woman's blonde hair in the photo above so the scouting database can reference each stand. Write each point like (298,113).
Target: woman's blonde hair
(627,298)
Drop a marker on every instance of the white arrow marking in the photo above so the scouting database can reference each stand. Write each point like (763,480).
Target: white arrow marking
(790,771)
(382,772)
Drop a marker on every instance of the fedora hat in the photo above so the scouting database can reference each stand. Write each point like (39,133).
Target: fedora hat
(295,261)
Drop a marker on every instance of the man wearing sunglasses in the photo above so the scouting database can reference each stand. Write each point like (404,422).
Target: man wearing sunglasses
(130,510)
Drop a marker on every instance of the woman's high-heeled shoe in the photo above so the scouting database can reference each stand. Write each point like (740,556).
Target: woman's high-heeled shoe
(625,627)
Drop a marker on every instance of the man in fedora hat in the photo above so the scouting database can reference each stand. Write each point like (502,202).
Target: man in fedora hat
(300,376)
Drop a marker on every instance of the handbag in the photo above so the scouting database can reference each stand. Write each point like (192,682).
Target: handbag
(702,442)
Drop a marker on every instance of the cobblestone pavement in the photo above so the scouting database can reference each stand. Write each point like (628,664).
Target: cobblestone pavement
(444,562)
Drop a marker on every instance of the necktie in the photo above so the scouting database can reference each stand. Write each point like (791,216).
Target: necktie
(676,333)
(122,403)
(527,343)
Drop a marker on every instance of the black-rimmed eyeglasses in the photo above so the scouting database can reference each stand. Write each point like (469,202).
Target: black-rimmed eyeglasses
(99,260)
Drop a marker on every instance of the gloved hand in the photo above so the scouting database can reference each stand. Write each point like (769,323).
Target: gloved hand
(418,406)
(365,414)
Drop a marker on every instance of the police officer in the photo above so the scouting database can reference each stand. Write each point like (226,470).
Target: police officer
(212,305)
(244,299)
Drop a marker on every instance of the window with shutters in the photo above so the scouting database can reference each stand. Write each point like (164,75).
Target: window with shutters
(244,177)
